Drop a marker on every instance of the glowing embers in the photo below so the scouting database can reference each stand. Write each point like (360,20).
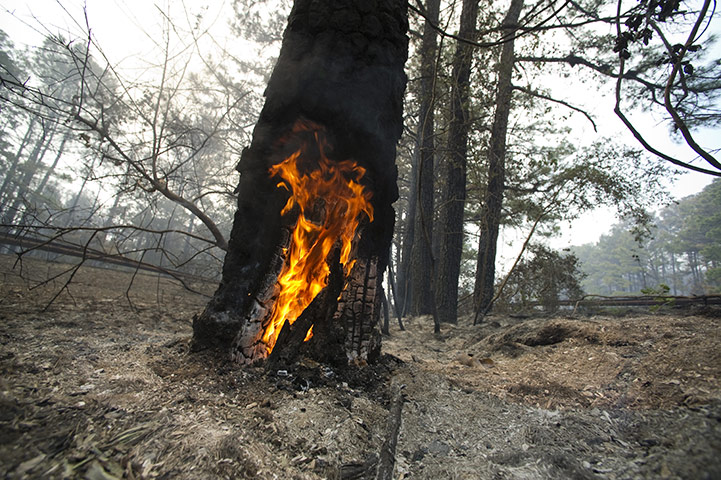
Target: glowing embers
(330,202)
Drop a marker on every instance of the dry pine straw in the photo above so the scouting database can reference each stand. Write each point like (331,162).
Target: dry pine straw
(637,362)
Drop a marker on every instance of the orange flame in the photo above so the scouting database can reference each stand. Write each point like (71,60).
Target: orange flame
(330,191)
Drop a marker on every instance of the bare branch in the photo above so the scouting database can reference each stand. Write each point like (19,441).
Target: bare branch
(533,93)
(85,252)
(519,30)
(549,207)
(604,69)
(632,128)
(160,185)
(676,70)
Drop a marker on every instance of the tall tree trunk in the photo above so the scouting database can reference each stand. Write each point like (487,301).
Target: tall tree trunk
(51,169)
(493,201)
(188,227)
(451,238)
(673,273)
(421,258)
(693,263)
(109,220)
(11,171)
(404,265)
(392,284)
(30,168)
(72,210)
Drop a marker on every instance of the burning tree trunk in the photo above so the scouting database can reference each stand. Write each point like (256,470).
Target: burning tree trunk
(313,228)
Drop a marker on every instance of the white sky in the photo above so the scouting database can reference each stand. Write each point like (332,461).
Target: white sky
(130,32)
(127,31)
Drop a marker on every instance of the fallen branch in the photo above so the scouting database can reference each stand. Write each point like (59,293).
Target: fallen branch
(380,467)
(387,459)
(642,301)
(534,93)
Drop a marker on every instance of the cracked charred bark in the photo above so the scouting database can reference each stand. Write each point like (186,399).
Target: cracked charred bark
(340,67)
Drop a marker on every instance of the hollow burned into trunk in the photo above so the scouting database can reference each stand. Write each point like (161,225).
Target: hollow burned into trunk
(320,232)
(311,236)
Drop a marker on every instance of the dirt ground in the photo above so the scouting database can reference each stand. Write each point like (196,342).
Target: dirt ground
(100,385)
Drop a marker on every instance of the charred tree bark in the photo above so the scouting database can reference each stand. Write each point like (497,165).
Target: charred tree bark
(449,264)
(420,276)
(387,457)
(493,201)
(291,341)
(341,69)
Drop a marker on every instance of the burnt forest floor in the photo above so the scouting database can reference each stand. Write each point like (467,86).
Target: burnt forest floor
(101,385)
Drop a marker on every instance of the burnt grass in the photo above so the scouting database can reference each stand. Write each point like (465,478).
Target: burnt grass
(102,385)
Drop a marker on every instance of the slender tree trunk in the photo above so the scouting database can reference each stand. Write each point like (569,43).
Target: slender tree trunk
(644,280)
(11,171)
(493,201)
(662,274)
(46,177)
(421,258)
(103,236)
(169,225)
(673,273)
(186,247)
(404,265)
(78,196)
(51,169)
(392,285)
(696,274)
(30,168)
(385,328)
(451,238)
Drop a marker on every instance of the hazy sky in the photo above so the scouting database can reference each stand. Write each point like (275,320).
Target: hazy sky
(128,31)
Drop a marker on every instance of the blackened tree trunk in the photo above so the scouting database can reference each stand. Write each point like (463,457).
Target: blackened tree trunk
(493,200)
(420,267)
(339,76)
(451,240)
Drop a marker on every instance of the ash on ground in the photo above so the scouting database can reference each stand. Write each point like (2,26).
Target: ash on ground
(101,385)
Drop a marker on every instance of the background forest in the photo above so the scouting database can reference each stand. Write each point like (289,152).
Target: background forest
(683,251)
(503,145)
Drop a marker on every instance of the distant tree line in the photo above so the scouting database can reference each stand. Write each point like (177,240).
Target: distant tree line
(682,251)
